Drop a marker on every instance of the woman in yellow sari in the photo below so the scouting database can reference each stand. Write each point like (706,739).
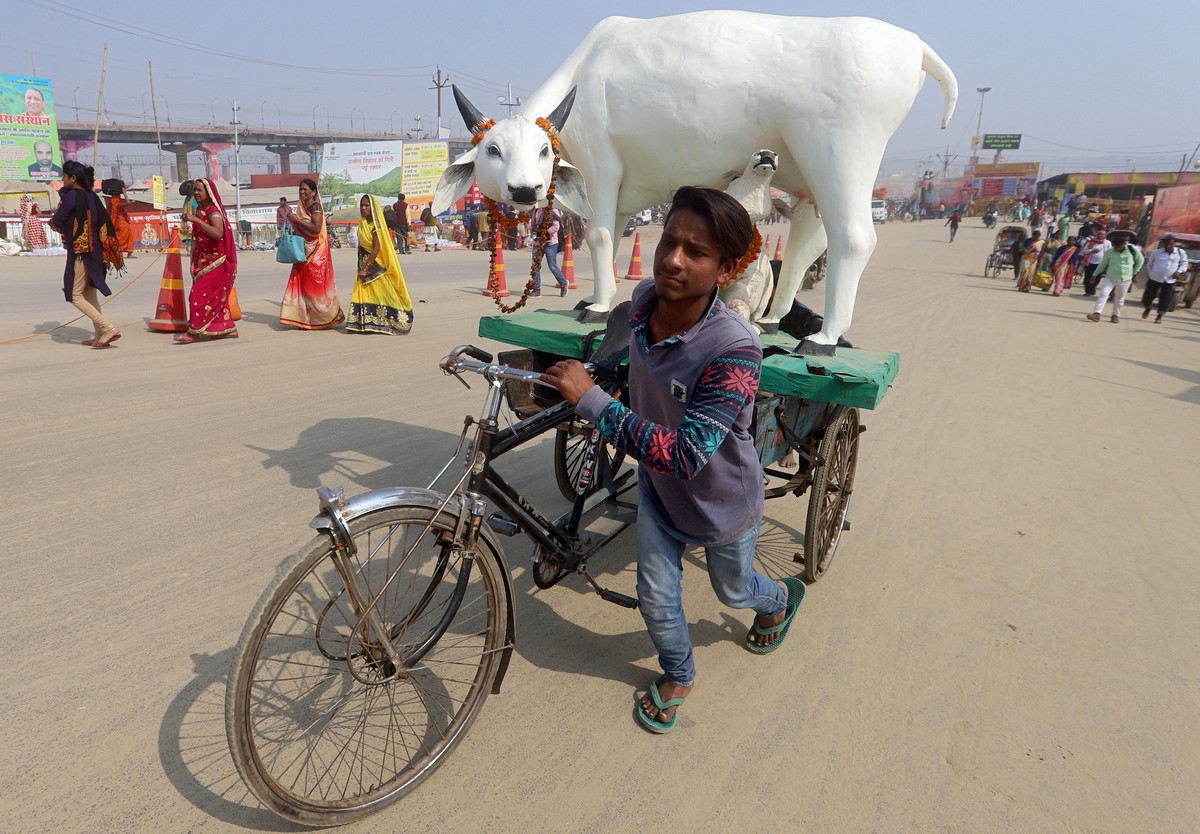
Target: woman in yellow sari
(1029,261)
(380,303)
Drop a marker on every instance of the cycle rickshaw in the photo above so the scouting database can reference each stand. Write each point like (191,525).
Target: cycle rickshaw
(370,654)
(1001,257)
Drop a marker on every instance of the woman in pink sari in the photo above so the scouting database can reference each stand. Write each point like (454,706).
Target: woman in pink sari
(1065,261)
(214,268)
(310,301)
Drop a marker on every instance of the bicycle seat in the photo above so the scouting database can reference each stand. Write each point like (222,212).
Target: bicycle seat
(613,349)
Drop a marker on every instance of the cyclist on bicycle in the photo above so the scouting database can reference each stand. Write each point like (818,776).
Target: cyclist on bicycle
(694,368)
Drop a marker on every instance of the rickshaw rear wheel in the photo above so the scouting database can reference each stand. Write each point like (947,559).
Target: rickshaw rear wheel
(829,497)
(569,447)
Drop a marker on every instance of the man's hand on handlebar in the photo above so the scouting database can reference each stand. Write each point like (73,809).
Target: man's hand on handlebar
(570,378)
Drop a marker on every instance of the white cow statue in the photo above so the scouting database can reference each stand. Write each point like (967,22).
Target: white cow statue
(683,100)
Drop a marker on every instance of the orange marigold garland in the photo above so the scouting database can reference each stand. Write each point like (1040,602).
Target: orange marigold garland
(502,221)
(750,257)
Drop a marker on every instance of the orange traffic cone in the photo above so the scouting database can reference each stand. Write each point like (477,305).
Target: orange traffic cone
(767,244)
(779,249)
(635,263)
(235,309)
(501,286)
(616,278)
(568,267)
(170,316)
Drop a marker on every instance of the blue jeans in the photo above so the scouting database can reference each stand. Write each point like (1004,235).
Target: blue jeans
(660,588)
(550,258)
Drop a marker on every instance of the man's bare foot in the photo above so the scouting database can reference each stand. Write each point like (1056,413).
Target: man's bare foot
(667,690)
(764,622)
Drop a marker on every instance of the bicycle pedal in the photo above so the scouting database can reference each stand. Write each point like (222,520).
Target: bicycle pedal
(503,525)
(618,599)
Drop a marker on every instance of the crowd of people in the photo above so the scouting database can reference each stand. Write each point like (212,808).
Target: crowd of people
(1110,259)
(379,302)
(96,234)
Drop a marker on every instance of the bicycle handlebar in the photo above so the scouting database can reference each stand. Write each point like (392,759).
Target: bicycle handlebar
(482,364)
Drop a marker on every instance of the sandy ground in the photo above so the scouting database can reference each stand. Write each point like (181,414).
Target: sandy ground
(1007,640)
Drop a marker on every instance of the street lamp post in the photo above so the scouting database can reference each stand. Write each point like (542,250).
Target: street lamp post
(326,109)
(278,116)
(261,114)
(352,109)
(983,91)
(509,102)
(237,167)
(212,110)
(75,98)
(167,104)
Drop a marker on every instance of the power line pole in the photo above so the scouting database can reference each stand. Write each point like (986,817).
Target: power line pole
(439,85)
(946,159)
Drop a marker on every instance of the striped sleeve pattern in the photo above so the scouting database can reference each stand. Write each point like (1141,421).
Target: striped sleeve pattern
(725,387)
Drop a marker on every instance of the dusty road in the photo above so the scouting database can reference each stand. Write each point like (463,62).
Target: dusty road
(1007,640)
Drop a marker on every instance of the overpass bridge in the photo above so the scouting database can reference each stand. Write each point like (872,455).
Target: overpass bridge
(180,140)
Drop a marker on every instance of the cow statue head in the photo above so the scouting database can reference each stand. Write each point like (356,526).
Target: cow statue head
(513,163)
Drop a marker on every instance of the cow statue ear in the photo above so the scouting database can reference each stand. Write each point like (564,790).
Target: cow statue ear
(570,191)
(455,182)
(558,118)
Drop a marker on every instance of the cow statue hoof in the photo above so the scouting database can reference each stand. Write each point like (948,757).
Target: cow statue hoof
(589,316)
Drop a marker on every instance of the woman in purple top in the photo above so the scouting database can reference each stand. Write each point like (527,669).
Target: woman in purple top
(694,367)
(550,252)
(79,219)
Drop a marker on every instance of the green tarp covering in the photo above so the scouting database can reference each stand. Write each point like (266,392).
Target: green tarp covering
(852,376)
(552,331)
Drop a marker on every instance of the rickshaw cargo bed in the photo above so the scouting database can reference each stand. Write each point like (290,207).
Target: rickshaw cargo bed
(852,377)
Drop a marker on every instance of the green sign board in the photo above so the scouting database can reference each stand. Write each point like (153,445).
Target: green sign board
(1001,141)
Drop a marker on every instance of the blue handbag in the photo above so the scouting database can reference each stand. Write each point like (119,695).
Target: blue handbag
(289,248)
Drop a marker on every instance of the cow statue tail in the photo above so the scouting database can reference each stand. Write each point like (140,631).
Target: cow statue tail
(932,64)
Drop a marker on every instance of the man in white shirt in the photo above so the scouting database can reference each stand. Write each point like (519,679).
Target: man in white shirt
(1092,252)
(1165,264)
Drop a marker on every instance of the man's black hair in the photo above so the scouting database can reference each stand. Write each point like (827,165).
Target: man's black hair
(727,218)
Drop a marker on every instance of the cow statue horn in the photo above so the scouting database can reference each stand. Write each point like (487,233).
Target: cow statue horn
(470,114)
(559,117)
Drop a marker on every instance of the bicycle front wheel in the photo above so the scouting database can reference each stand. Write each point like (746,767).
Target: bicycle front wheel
(323,727)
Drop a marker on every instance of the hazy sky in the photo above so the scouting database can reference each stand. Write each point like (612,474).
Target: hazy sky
(1091,86)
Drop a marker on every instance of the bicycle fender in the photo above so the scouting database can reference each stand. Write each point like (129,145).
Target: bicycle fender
(347,510)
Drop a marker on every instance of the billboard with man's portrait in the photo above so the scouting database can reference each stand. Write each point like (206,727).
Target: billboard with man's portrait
(28,130)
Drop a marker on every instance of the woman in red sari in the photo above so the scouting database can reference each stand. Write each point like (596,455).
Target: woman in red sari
(1065,261)
(214,268)
(310,301)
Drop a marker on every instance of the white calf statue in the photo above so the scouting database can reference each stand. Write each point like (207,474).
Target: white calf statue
(749,294)
(684,100)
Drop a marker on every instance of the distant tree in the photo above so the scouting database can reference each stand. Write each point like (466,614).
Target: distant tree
(336,184)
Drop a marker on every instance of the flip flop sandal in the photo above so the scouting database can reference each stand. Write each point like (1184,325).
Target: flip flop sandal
(653,724)
(185,339)
(103,343)
(795,597)
(90,342)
